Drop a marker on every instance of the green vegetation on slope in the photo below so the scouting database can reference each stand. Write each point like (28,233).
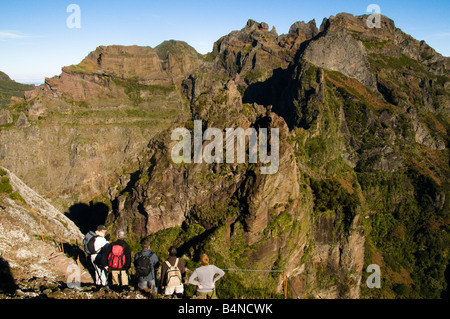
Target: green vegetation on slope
(10,88)
(6,188)
(411,231)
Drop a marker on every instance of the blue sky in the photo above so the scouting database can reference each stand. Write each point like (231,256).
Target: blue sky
(35,41)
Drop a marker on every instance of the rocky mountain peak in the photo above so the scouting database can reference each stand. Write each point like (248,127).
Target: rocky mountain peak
(253,25)
(363,153)
(309,30)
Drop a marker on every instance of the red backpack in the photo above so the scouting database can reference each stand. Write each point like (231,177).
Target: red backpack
(116,258)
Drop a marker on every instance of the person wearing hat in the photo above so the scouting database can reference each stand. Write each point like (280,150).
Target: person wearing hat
(100,245)
(205,278)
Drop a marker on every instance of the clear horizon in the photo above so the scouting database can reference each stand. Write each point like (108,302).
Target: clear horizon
(36,41)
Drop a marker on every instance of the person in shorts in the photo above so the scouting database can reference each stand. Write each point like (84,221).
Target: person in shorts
(173,272)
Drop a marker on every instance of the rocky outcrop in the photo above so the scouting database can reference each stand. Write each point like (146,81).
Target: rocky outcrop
(33,234)
(43,208)
(329,52)
(22,121)
(94,118)
(85,156)
(308,29)
(422,134)
(101,74)
(5,117)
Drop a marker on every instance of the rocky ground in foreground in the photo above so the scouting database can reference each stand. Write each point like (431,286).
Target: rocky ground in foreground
(43,288)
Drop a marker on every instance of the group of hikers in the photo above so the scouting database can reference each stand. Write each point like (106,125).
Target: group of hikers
(115,259)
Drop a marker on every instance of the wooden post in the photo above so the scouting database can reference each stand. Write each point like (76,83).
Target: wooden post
(60,237)
(78,253)
(285,285)
(42,233)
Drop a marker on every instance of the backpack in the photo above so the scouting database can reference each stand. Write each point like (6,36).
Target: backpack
(144,265)
(173,275)
(116,258)
(88,243)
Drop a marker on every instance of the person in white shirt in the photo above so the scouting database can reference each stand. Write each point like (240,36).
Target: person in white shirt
(205,278)
(100,244)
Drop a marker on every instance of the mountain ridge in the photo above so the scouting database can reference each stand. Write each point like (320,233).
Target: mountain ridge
(363,119)
(10,89)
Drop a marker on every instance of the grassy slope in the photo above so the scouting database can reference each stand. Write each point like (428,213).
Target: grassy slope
(10,88)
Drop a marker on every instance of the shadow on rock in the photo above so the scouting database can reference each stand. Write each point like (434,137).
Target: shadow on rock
(7,282)
(88,217)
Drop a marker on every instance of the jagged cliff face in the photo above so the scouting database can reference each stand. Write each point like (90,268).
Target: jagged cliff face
(343,129)
(363,156)
(74,136)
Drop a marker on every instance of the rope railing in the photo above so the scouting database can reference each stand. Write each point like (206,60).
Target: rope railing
(286,281)
(260,270)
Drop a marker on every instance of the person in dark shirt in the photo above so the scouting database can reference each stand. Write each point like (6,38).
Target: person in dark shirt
(174,285)
(148,279)
(117,260)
